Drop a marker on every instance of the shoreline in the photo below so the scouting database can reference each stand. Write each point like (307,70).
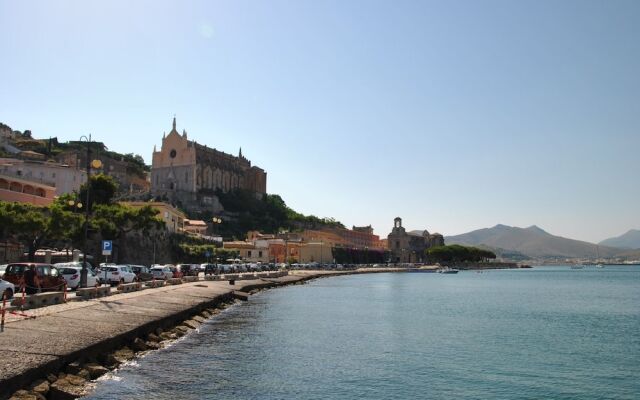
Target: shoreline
(60,353)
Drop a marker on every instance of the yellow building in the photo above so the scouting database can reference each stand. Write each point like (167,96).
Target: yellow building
(248,251)
(172,217)
(316,252)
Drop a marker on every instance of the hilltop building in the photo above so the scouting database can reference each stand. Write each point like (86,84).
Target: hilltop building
(409,247)
(62,177)
(188,172)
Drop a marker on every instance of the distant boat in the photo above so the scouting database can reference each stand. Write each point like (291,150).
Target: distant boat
(447,270)
(599,266)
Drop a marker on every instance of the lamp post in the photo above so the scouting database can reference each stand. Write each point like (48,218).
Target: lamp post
(95,164)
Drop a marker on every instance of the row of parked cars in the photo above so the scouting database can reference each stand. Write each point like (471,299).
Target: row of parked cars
(52,277)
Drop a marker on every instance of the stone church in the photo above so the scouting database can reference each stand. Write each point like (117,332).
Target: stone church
(409,247)
(190,173)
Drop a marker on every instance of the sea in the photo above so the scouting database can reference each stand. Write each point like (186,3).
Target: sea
(549,332)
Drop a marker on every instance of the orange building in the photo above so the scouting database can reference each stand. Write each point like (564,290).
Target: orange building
(338,237)
(18,190)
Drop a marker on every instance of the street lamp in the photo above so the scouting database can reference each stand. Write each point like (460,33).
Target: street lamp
(95,164)
(216,221)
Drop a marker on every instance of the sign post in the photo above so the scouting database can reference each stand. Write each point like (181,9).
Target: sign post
(107,246)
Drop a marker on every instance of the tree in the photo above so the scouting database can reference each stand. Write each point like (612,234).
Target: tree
(103,189)
(458,253)
(33,226)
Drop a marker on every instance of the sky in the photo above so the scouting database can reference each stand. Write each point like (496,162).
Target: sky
(454,115)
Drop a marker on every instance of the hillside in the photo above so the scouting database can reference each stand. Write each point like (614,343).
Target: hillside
(533,242)
(630,240)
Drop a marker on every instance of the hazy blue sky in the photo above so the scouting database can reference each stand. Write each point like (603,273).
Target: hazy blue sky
(454,115)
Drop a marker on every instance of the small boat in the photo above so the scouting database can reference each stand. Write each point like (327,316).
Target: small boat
(599,266)
(447,270)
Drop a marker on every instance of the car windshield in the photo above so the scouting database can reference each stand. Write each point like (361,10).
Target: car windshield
(67,271)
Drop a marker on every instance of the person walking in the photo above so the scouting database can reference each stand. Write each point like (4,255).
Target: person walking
(31,280)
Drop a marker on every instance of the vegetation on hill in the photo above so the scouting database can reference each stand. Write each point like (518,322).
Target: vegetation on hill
(51,148)
(458,253)
(266,213)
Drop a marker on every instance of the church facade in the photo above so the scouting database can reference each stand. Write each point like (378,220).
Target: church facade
(409,247)
(188,172)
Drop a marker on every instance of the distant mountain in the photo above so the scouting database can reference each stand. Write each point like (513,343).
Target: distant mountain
(532,242)
(630,240)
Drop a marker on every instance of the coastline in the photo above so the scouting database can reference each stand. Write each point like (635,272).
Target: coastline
(91,337)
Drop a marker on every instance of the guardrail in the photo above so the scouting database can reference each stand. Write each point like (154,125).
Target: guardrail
(129,287)
(39,300)
(93,292)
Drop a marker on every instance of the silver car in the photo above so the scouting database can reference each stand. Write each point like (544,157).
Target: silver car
(7,289)
(162,272)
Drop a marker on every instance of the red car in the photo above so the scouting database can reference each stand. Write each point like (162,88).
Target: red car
(49,280)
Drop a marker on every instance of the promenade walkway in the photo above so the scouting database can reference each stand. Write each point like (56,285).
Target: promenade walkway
(63,333)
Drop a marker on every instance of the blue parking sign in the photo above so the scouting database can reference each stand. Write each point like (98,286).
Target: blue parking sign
(106,245)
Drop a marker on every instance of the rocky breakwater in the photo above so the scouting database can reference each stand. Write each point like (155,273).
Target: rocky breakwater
(77,378)
(58,354)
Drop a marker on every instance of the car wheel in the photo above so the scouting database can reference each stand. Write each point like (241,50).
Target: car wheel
(8,293)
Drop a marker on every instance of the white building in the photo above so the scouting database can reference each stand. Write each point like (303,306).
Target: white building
(64,178)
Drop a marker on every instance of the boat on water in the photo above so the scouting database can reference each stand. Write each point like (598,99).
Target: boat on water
(447,270)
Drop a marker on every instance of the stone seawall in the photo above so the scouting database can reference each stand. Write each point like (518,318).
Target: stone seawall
(88,330)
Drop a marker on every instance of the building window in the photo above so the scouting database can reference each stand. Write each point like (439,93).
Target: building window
(249,253)
(397,244)
(260,254)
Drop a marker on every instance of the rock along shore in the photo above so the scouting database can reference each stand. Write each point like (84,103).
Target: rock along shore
(66,335)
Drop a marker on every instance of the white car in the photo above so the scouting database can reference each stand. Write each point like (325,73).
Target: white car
(7,289)
(71,273)
(115,274)
(162,272)
(3,268)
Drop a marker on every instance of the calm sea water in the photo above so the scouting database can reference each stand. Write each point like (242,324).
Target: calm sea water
(548,332)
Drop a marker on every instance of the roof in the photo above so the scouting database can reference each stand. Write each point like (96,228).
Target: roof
(195,222)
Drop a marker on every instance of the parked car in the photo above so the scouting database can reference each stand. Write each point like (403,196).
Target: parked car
(115,274)
(7,289)
(162,272)
(71,273)
(50,279)
(3,267)
(143,273)
(209,269)
(189,269)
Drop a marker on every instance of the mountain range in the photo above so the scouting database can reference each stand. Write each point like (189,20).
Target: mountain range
(534,242)
(630,240)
